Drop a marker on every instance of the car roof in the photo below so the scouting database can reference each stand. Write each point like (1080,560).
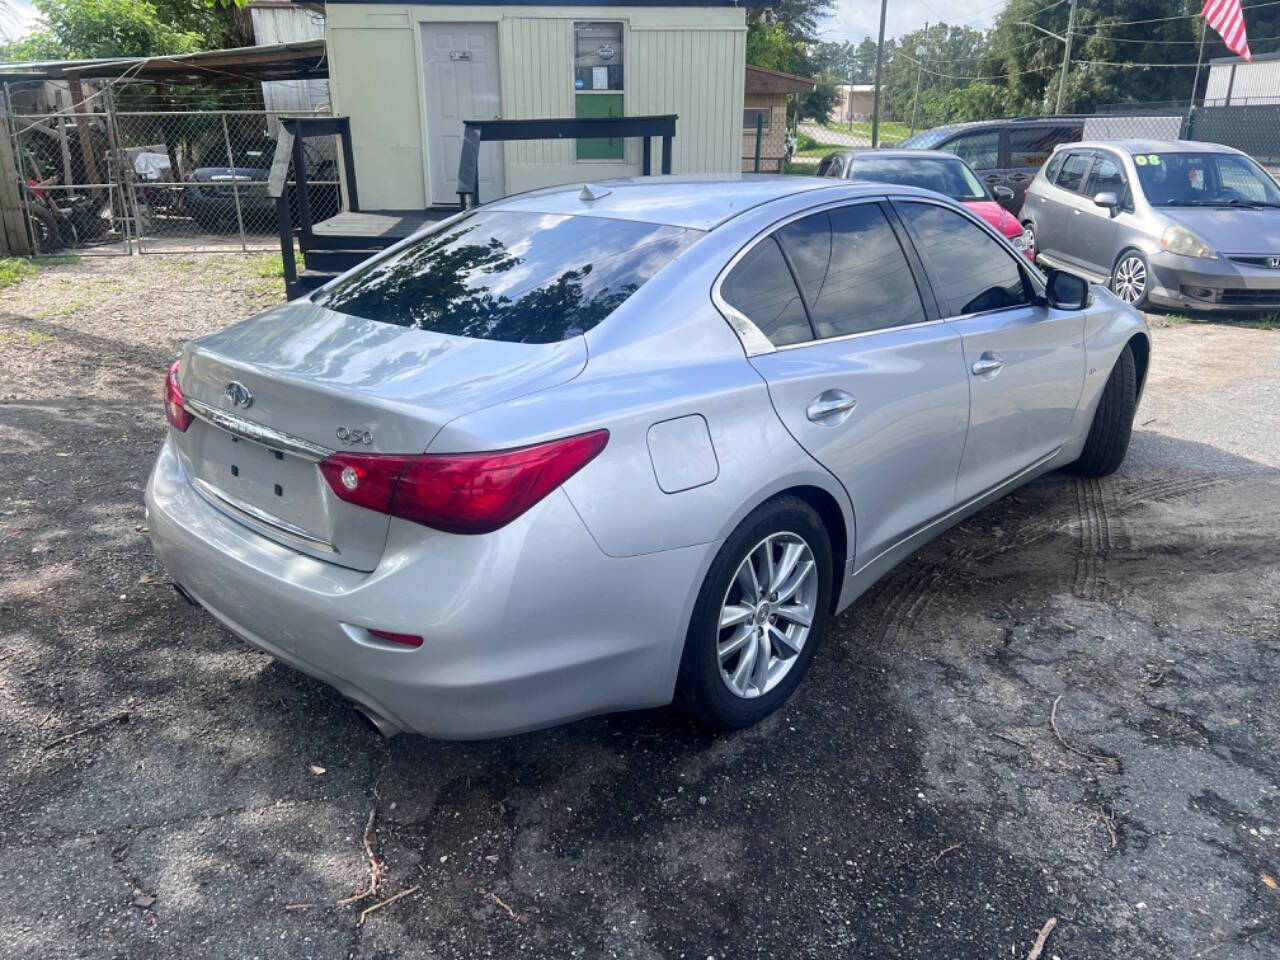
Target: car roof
(698,202)
(1133,146)
(893,153)
(1005,121)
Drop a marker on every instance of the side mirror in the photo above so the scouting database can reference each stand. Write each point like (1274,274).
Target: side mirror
(1066,291)
(1004,195)
(1107,199)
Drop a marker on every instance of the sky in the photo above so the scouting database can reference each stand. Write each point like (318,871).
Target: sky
(15,16)
(855,19)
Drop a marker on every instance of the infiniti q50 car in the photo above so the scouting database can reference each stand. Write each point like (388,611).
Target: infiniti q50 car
(593,449)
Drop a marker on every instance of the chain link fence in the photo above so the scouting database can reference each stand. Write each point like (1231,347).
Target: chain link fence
(115,180)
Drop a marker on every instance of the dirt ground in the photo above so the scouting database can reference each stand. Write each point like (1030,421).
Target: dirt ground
(914,800)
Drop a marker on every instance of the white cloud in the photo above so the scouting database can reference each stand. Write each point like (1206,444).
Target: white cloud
(855,19)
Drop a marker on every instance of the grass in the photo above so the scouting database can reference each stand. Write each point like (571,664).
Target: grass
(1267,321)
(891,132)
(32,338)
(272,267)
(15,270)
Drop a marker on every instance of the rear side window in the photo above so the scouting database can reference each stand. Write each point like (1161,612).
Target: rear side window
(852,270)
(761,288)
(1031,146)
(1071,176)
(969,270)
(514,277)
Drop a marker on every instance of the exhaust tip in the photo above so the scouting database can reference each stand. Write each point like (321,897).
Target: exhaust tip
(378,724)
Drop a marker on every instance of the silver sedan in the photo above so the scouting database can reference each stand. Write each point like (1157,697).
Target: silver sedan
(602,448)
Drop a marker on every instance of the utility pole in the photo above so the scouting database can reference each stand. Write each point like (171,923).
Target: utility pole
(875,100)
(920,51)
(1066,54)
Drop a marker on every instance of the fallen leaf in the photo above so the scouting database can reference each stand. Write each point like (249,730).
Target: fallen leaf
(147,578)
(1270,882)
(317,770)
(144,901)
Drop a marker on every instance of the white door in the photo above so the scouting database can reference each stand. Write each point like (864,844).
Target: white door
(460,64)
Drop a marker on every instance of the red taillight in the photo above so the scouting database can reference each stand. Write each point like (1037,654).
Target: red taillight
(460,492)
(173,408)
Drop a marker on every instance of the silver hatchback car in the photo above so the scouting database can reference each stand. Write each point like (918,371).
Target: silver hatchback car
(591,449)
(1177,224)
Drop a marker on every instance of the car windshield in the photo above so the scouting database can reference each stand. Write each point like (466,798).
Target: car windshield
(257,154)
(925,139)
(952,178)
(1204,180)
(515,277)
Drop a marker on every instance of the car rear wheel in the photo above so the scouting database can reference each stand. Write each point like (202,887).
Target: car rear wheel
(1112,425)
(1130,278)
(759,616)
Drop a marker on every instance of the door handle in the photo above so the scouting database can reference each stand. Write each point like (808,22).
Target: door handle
(829,407)
(992,179)
(988,365)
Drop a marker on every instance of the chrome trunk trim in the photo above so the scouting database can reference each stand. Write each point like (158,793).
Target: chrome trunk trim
(249,430)
(260,517)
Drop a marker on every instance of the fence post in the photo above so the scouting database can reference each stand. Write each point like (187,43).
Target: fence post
(13,226)
(759,133)
(235,188)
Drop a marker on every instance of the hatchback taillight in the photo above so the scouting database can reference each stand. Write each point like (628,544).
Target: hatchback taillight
(174,411)
(460,492)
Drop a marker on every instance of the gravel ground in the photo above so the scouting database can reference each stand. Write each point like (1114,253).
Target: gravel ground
(913,801)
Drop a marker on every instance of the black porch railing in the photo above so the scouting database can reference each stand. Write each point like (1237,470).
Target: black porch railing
(303,128)
(558,128)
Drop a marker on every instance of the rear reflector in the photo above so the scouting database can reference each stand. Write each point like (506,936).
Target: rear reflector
(174,411)
(407,639)
(460,492)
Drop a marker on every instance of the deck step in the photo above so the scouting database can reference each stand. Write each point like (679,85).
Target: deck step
(307,281)
(337,261)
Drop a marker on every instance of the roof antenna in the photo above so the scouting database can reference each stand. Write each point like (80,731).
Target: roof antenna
(588,194)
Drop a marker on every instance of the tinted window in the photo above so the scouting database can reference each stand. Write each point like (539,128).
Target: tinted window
(970,271)
(256,153)
(926,139)
(981,149)
(949,177)
(830,166)
(518,277)
(1031,146)
(1106,175)
(852,270)
(761,287)
(1071,176)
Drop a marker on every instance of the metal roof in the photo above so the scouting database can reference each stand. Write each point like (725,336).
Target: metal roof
(296,60)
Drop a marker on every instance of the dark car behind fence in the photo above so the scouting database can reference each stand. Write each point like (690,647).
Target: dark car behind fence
(115,180)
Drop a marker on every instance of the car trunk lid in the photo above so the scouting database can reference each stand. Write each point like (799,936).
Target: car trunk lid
(276,394)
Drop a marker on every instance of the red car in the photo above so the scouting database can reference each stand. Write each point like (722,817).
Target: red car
(935,170)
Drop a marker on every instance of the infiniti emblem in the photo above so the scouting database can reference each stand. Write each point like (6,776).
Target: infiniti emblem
(238,394)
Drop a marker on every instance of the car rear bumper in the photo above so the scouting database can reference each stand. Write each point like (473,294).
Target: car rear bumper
(1220,285)
(530,626)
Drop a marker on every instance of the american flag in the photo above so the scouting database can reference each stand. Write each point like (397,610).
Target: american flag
(1226,17)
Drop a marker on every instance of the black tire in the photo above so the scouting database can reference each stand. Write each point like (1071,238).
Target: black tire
(1112,425)
(1128,266)
(700,689)
(43,229)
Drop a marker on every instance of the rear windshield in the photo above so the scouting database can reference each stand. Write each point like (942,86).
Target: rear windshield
(516,277)
(950,177)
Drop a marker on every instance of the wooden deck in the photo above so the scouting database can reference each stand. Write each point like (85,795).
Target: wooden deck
(374,228)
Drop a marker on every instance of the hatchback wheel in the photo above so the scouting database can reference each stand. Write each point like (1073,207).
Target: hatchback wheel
(1129,278)
(759,616)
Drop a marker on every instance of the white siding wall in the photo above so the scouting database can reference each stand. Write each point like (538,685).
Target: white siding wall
(684,60)
(1254,83)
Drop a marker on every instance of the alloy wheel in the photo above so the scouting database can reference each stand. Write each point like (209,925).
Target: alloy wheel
(766,615)
(1131,279)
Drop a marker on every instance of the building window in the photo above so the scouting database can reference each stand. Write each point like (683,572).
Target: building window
(750,116)
(598,82)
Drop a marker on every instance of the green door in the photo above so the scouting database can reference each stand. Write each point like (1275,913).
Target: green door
(599,105)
